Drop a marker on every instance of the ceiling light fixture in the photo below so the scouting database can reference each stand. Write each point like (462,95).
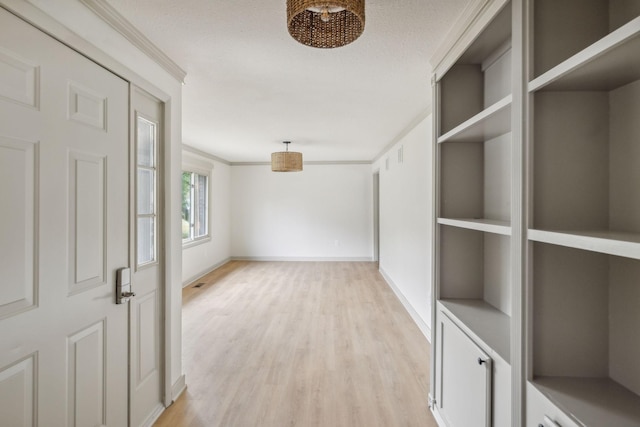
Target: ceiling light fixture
(286,161)
(325,24)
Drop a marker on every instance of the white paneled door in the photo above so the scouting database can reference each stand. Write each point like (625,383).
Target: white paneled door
(64,229)
(146,307)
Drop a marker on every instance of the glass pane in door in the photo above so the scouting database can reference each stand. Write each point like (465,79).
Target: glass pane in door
(146,240)
(146,193)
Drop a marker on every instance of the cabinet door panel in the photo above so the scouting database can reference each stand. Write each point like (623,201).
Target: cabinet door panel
(465,395)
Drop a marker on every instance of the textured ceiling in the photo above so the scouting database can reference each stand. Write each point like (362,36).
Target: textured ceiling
(250,86)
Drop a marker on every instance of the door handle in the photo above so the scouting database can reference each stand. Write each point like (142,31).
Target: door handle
(548,422)
(123,286)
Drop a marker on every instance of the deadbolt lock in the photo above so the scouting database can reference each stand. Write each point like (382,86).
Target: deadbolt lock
(123,286)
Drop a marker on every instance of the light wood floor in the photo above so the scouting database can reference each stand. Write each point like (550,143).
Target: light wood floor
(274,344)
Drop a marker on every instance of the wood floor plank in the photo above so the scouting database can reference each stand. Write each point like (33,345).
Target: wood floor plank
(308,344)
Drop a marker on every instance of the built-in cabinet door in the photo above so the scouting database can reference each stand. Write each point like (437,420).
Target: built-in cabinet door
(63,234)
(464,395)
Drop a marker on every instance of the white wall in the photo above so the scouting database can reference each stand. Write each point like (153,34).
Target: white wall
(324,212)
(406,214)
(202,257)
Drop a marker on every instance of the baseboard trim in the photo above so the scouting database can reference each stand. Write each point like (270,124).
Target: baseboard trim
(178,387)
(302,259)
(153,416)
(424,328)
(195,277)
(438,417)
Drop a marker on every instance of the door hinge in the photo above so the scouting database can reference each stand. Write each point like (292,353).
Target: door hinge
(432,402)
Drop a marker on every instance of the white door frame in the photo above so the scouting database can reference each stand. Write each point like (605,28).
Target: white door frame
(376,216)
(39,19)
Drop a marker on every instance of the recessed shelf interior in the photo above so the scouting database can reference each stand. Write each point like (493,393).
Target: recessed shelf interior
(480,78)
(564,28)
(587,160)
(490,123)
(591,400)
(475,179)
(475,265)
(585,316)
(608,64)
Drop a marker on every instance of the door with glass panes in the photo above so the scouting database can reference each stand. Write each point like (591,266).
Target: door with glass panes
(146,334)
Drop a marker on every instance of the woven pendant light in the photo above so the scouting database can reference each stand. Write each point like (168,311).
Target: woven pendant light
(325,23)
(286,161)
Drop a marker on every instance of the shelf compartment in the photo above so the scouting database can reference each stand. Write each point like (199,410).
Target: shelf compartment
(608,64)
(475,179)
(493,39)
(480,78)
(488,124)
(586,160)
(585,317)
(484,225)
(483,322)
(592,402)
(475,265)
(562,29)
(606,242)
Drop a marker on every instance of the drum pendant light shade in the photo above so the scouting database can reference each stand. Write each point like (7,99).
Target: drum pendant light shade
(325,23)
(286,161)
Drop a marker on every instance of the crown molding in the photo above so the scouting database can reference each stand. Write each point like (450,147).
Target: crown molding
(190,149)
(462,33)
(407,129)
(113,18)
(338,162)
(204,154)
(312,163)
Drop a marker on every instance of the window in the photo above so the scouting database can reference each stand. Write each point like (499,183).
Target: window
(146,184)
(195,206)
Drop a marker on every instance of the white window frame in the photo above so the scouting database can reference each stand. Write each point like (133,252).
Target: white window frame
(192,241)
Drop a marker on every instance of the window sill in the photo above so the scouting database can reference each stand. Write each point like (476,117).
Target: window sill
(191,243)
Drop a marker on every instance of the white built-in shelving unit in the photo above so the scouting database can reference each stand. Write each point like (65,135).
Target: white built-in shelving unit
(584,218)
(473,125)
(537,190)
